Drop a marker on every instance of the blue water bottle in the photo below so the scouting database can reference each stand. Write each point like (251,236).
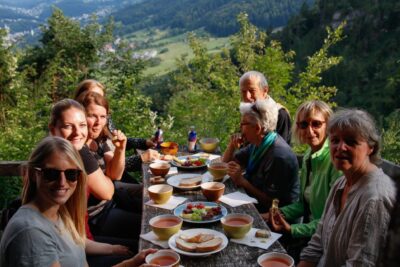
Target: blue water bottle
(192,138)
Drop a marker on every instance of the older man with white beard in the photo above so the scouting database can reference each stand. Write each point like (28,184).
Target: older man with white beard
(254,86)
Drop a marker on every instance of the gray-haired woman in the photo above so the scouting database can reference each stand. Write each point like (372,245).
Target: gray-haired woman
(357,212)
(271,168)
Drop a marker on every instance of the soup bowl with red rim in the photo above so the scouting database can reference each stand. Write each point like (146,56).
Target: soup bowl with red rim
(166,225)
(212,190)
(237,225)
(275,259)
(164,257)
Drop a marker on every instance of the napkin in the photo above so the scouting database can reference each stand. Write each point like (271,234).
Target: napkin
(153,238)
(237,199)
(251,240)
(171,204)
(172,171)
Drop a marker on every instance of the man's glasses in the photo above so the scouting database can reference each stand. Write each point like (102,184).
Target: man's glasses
(51,175)
(244,123)
(314,124)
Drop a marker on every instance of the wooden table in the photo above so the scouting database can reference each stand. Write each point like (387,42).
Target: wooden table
(233,255)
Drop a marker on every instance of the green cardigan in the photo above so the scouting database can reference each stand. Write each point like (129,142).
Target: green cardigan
(323,176)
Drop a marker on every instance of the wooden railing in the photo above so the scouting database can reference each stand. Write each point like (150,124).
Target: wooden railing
(11,168)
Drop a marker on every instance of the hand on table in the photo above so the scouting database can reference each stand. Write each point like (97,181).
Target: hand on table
(150,155)
(150,143)
(235,172)
(139,259)
(120,250)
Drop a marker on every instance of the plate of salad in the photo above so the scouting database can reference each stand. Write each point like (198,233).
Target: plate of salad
(201,212)
(189,162)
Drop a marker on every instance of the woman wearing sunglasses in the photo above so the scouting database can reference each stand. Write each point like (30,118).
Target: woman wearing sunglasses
(316,178)
(49,229)
(267,168)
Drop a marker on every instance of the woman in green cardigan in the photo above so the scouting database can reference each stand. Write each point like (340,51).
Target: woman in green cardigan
(316,178)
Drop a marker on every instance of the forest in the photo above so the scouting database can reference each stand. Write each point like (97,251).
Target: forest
(203,91)
(215,16)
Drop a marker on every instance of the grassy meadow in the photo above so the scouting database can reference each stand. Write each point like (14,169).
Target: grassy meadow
(170,47)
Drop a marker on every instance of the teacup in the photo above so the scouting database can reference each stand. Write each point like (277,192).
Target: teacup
(237,225)
(164,257)
(212,190)
(218,170)
(160,193)
(274,258)
(165,226)
(159,169)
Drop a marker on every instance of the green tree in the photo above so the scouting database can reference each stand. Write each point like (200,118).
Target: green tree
(391,137)
(67,53)
(7,70)
(205,89)
(308,85)
(204,95)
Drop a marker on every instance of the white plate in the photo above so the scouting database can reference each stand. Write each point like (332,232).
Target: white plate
(172,243)
(210,178)
(178,211)
(183,158)
(176,179)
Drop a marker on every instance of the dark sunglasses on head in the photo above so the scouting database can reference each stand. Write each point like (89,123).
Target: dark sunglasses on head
(52,175)
(314,124)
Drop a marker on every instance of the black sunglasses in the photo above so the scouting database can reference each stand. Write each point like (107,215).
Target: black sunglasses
(51,175)
(314,124)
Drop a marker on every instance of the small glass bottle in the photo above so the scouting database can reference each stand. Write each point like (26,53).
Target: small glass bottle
(192,138)
(158,137)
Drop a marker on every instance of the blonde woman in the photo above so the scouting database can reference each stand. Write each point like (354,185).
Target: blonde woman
(49,229)
(316,178)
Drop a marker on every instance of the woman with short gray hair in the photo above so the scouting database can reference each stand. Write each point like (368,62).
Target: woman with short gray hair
(357,212)
(266,168)
(264,112)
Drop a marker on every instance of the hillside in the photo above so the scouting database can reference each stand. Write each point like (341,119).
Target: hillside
(218,17)
(23,17)
(369,75)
